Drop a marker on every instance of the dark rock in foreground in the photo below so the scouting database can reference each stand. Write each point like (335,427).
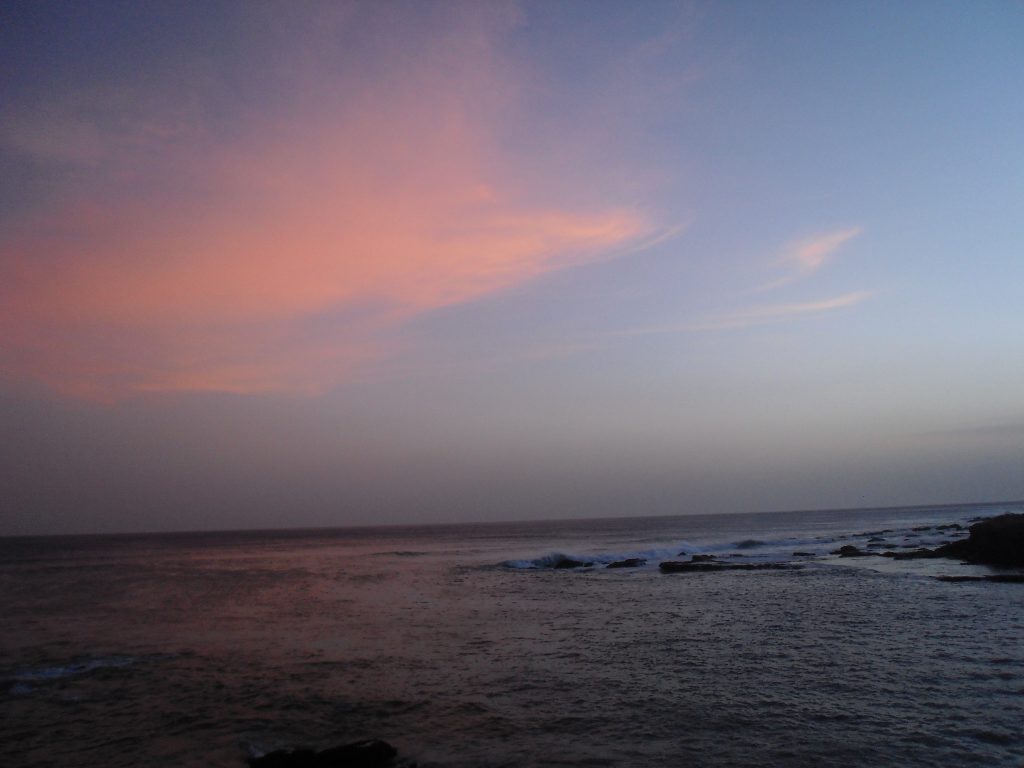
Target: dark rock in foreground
(568,562)
(701,558)
(632,562)
(287,758)
(803,554)
(360,754)
(675,566)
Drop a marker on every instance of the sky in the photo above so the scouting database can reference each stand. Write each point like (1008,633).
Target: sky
(268,264)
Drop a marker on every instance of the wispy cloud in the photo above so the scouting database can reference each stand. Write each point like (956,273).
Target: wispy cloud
(759,315)
(807,256)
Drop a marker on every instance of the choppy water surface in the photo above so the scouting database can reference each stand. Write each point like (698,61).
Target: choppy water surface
(457,645)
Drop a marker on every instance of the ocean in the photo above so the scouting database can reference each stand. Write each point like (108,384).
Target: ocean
(462,646)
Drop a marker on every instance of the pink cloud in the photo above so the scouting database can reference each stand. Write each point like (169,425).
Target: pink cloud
(196,263)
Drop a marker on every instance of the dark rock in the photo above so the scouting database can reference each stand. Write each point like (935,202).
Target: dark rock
(949,527)
(674,566)
(917,554)
(922,528)
(370,753)
(632,562)
(681,554)
(803,554)
(568,562)
(286,758)
(360,754)
(851,551)
(1004,578)
(996,541)
(702,558)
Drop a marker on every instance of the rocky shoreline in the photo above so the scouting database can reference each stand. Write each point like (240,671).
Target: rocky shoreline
(996,541)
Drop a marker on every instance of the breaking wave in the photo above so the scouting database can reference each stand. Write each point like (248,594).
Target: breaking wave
(560,559)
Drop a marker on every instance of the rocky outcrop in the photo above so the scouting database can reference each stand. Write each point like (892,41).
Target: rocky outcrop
(632,562)
(568,562)
(675,566)
(370,753)
(996,541)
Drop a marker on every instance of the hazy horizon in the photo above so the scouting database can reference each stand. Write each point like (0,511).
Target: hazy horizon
(334,264)
(496,523)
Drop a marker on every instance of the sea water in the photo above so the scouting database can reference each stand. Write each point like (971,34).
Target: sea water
(461,646)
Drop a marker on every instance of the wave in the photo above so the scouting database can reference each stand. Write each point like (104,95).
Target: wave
(18,681)
(76,668)
(560,559)
(749,544)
